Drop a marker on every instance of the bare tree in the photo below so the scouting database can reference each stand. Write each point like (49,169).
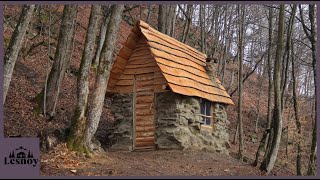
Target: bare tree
(13,49)
(187,24)
(78,122)
(162,18)
(269,161)
(95,109)
(311,35)
(241,13)
(103,31)
(61,61)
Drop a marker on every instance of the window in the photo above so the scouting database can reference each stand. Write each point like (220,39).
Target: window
(206,111)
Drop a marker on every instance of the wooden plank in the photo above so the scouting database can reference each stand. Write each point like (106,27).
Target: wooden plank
(145,118)
(139,61)
(195,92)
(144,123)
(181,73)
(145,148)
(174,42)
(141,70)
(124,82)
(145,129)
(145,99)
(135,66)
(175,52)
(143,144)
(129,89)
(144,134)
(184,67)
(123,89)
(145,94)
(142,52)
(195,85)
(144,112)
(130,76)
(171,42)
(130,42)
(125,52)
(145,139)
(134,112)
(179,60)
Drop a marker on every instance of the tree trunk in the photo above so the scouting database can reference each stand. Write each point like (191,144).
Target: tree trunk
(241,50)
(61,61)
(277,123)
(13,49)
(270,86)
(187,24)
(149,14)
(226,43)
(95,109)
(201,19)
(312,38)
(78,123)
(102,37)
(174,17)
(162,19)
(258,105)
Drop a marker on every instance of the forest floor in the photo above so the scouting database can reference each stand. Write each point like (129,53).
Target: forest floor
(61,162)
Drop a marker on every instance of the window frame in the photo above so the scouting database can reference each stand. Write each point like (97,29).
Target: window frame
(206,115)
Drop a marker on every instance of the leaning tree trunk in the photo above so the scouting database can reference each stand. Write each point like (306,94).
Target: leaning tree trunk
(61,61)
(16,41)
(78,122)
(103,31)
(95,109)
(270,160)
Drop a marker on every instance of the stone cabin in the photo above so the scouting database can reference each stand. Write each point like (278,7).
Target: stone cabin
(165,95)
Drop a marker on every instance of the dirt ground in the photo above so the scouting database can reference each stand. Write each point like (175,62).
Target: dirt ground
(61,162)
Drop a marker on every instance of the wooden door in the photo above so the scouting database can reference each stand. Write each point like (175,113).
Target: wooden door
(143,116)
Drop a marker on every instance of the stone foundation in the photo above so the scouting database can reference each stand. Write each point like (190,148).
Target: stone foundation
(178,124)
(121,136)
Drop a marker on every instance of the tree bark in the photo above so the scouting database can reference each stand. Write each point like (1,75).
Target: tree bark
(201,19)
(61,61)
(174,17)
(270,85)
(186,28)
(241,50)
(15,44)
(95,110)
(312,38)
(162,19)
(270,160)
(149,14)
(102,37)
(78,122)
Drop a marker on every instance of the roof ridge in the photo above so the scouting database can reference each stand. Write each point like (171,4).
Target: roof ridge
(146,26)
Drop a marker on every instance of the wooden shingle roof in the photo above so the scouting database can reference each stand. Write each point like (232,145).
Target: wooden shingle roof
(181,65)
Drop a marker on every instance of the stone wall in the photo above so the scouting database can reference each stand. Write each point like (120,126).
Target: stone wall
(179,125)
(121,136)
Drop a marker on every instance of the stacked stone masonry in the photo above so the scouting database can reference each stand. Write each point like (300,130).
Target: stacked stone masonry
(178,124)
